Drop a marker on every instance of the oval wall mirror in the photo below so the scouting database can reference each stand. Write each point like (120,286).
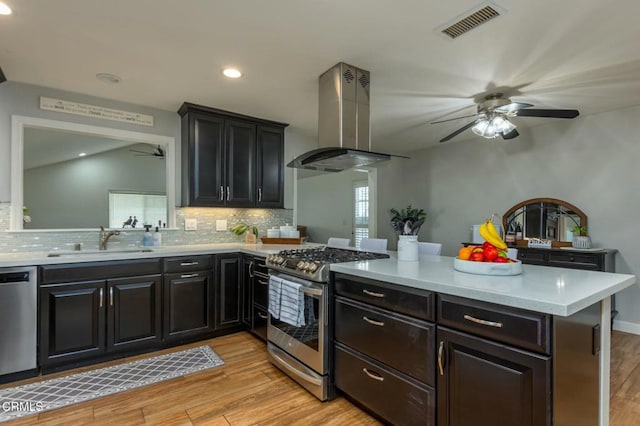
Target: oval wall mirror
(545,218)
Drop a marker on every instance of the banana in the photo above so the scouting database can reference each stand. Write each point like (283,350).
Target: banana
(489,233)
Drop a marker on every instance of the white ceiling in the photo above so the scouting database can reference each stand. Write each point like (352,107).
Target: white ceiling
(580,54)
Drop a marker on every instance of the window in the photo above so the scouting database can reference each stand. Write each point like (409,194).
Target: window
(149,209)
(361,211)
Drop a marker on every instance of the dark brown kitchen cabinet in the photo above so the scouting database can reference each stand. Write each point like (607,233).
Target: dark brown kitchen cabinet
(72,321)
(230,160)
(484,383)
(228,307)
(270,167)
(385,348)
(188,304)
(255,289)
(93,309)
(133,313)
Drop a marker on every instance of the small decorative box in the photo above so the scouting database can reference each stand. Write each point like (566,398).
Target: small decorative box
(538,243)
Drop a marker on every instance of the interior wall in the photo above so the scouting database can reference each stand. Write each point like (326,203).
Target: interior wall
(75,193)
(325,205)
(590,162)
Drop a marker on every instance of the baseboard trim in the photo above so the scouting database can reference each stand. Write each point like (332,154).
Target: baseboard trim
(627,327)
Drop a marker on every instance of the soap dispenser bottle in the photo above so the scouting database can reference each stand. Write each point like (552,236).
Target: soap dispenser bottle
(147,238)
(157,238)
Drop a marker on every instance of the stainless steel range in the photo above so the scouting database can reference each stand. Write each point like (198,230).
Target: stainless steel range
(302,351)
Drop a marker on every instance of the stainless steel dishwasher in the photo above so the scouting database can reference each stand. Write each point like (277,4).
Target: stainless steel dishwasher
(18,321)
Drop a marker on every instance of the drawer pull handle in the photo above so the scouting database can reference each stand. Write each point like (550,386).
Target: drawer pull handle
(372,293)
(221,193)
(263,282)
(188,263)
(111,296)
(373,322)
(440,360)
(101,297)
(483,322)
(263,316)
(373,375)
(188,275)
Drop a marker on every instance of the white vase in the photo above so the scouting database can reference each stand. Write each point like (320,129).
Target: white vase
(408,248)
(581,242)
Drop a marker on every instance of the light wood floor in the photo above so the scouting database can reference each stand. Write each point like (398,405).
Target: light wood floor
(248,390)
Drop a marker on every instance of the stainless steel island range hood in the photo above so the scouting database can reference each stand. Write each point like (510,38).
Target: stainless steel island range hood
(343,123)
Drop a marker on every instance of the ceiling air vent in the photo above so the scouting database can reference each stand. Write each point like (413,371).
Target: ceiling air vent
(470,21)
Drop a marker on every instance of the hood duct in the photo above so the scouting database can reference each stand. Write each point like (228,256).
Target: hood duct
(344,138)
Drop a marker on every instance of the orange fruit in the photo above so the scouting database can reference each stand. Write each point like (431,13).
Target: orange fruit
(465,252)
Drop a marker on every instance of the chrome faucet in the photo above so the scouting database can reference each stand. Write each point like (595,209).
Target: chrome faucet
(104,237)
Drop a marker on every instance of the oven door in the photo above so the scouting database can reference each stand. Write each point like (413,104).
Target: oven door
(307,343)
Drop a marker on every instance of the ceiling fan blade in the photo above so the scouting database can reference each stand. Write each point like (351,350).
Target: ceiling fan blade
(451,119)
(551,113)
(457,132)
(513,106)
(141,152)
(511,135)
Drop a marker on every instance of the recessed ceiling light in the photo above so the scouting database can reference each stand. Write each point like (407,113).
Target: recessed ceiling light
(4,9)
(231,73)
(105,77)
(82,154)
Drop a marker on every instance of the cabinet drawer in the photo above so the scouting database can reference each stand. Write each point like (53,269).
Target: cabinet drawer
(392,396)
(532,257)
(405,300)
(188,263)
(576,261)
(260,320)
(404,343)
(261,290)
(259,266)
(529,330)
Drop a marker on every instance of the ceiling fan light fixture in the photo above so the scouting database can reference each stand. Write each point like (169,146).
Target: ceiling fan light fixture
(5,9)
(492,127)
(232,73)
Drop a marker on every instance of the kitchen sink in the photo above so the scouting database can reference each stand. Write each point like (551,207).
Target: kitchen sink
(61,253)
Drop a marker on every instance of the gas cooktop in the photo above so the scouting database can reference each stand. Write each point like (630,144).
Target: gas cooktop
(313,264)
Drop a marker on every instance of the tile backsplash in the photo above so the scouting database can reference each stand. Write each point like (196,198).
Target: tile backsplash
(205,234)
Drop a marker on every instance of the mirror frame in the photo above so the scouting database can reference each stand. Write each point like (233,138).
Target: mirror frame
(18,124)
(577,211)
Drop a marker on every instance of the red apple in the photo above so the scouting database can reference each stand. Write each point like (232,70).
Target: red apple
(490,253)
(487,244)
(501,259)
(477,256)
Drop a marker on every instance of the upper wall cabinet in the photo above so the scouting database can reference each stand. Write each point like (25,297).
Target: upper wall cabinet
(231,160)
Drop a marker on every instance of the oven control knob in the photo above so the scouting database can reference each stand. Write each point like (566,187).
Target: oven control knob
(313,267)
(306,266)
(300,265)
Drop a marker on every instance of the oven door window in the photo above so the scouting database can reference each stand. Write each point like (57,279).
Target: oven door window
(308,333)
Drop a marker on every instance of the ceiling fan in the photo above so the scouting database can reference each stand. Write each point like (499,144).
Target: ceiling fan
(158,152)
(494,112)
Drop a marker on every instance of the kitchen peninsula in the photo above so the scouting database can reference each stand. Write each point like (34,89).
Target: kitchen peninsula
(525,349)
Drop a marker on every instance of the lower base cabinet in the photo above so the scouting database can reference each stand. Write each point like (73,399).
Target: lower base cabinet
(188,305)
(483,383)
(389,394)
(86,319)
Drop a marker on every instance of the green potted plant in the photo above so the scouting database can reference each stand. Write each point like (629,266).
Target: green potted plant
(407,221)
(241,228)
(580,238)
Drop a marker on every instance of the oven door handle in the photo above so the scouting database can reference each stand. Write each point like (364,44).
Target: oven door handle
(298,373)
(312,291)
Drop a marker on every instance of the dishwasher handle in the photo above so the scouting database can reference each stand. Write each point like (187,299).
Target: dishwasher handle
(14,277)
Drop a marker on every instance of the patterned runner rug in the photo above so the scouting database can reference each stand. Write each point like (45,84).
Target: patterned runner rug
(49,394)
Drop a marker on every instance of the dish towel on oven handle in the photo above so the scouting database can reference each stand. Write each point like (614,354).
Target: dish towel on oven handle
(275,292)
(292,303)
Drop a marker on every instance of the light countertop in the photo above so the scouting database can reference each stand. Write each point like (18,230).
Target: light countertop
(119,253)
(550,290)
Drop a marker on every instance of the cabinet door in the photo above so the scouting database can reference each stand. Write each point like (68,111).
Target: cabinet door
(72,321)
(270,167)
(187,305)
(133,314)
(228,307)
(247,291)
(486,384)
(203,170)
(240,163)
